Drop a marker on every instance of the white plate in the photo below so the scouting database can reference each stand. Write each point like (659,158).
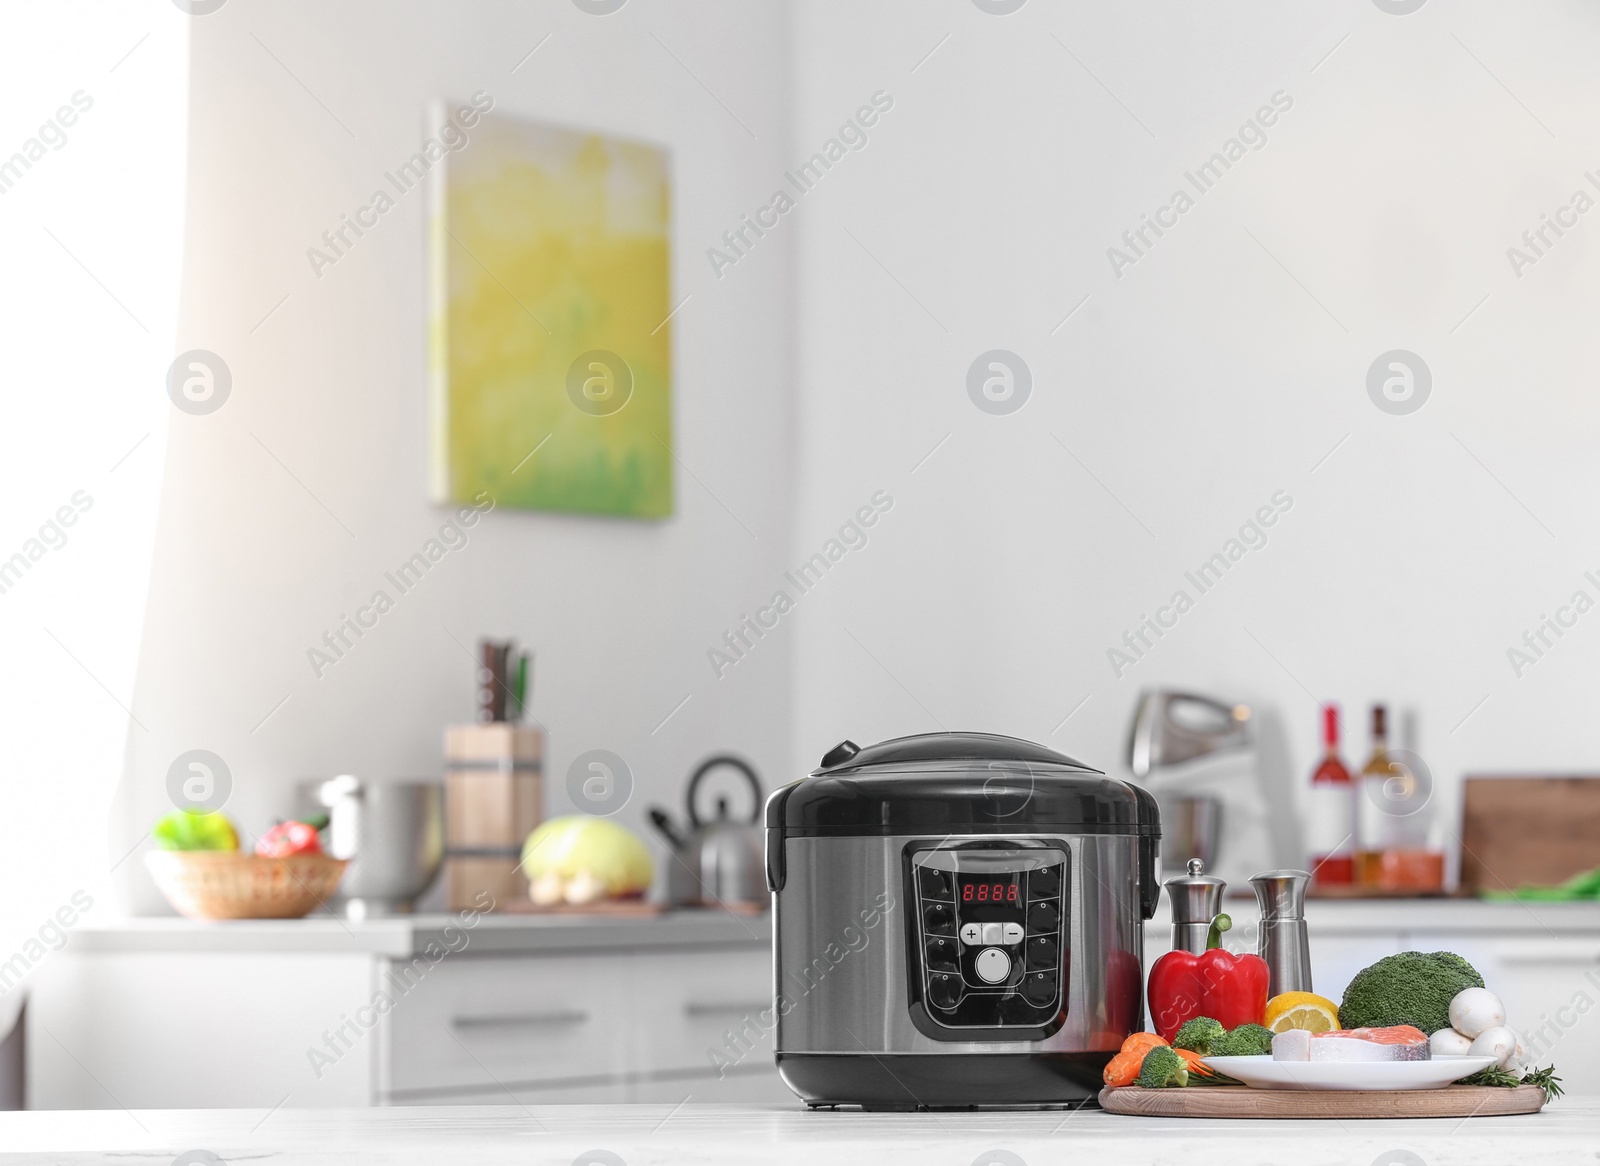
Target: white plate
(1265,1073)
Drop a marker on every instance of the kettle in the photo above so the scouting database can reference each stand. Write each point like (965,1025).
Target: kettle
(720,862)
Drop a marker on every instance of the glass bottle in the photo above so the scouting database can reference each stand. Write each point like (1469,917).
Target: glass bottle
(1331,825)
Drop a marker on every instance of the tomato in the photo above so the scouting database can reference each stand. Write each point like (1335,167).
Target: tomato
(288,838)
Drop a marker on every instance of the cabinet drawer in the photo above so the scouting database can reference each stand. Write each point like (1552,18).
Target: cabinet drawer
(688,1002)
(486,1022)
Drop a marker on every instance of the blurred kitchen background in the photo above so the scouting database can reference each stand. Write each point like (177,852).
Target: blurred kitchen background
(1207,408)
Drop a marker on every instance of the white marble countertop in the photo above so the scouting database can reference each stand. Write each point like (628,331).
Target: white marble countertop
(403,937)
(652,1135)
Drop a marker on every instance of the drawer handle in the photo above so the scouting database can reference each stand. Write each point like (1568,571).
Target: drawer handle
(693,1009)
(570,1016)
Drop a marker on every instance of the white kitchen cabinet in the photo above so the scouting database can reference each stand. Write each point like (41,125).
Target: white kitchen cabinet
(168,1014)
(601,1026)
(197,1029)
(471,1025)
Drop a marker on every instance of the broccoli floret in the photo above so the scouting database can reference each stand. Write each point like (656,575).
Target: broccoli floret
(1162,1067)
(1452,960)
(1414,987)
(1198,1035)
(1248,1040)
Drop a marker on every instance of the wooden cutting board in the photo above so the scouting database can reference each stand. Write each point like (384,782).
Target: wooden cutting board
(1528,830)
(623,908)
(1241,1101)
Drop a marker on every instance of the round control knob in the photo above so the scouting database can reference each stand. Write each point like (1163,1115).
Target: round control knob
(993,965)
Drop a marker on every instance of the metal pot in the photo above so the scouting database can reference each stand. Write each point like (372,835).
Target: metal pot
(720,861)
(393,833)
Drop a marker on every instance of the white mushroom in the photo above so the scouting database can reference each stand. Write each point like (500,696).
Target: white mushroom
(1520,1062)
(548,888)
(1447,1042)
(585,887)
(1473,1011)
(1498,1042)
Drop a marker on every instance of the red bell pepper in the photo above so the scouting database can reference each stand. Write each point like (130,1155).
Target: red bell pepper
(1231,989)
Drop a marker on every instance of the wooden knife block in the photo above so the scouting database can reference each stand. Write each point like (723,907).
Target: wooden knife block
(1518,831)
(493,801)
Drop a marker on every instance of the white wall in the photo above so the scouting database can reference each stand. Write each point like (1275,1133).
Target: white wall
(1204,379)
(91,235)
(282,509)
(1221,368)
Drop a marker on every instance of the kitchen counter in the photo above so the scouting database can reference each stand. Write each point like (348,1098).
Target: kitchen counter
(605,1135)
(1420,917)
(404,937)
(407,936)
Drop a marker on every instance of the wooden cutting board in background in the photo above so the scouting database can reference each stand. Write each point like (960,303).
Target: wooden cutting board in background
(1528,830)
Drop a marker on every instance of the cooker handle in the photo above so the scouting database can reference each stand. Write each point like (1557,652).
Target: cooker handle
(1149,888)
(777,868)
(1149,850)
(775,864)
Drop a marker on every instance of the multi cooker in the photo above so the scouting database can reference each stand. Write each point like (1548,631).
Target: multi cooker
(958,921)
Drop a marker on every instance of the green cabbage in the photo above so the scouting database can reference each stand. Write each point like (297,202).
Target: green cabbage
(581,843)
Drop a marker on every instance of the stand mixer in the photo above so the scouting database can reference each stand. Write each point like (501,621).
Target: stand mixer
(1199,757)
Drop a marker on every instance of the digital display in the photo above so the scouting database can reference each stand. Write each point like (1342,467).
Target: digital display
(989,892)
(989,898)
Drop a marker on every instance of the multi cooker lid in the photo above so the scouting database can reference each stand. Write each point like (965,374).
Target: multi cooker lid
(959,782)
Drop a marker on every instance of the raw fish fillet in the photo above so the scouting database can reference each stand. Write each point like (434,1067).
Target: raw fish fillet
(1401,1042)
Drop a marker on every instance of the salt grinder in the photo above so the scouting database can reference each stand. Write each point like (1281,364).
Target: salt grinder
(1283,944)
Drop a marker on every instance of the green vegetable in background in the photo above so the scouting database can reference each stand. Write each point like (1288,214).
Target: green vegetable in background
(194,830)
(1162,1068)
(1199,1035)
(1248,1040)
(1413,988)
(1585,885)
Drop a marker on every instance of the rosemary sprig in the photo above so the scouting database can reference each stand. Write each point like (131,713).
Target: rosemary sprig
(1545,1079)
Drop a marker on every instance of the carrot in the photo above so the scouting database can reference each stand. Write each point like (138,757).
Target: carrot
(1142,1042)
(1123,1069)
(1191,1061)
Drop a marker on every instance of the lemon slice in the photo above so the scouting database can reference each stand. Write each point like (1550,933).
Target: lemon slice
(1303,1010)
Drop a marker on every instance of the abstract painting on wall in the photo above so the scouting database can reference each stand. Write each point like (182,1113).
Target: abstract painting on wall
(550,347)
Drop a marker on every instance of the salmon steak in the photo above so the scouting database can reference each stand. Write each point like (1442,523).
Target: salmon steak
(1400,1042)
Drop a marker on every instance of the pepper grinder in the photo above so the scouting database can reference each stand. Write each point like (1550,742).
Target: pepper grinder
(1284,943)
(1196,898)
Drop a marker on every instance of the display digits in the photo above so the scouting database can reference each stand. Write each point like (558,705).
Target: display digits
(989,892)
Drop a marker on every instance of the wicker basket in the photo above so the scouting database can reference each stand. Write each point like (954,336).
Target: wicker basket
(228,884)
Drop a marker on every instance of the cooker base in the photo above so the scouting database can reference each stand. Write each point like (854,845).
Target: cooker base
(944,1080)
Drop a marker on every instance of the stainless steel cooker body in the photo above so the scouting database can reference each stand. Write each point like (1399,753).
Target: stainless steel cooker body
(846,930)
(996,965)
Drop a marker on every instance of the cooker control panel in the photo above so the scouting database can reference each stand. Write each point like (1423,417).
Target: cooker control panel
(988,948)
